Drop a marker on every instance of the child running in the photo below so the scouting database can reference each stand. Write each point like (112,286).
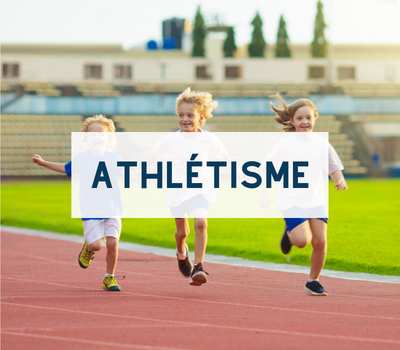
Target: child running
(95,230)
(193,110)
(301,116)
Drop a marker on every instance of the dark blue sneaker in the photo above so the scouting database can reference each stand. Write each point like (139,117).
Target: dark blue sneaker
(185,266)
(286,245)
(199,275)
(315,288)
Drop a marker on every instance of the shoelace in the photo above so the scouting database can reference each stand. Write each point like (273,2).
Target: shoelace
(111,280)
(317,284)
(120,277)
(198,268)
(88,254)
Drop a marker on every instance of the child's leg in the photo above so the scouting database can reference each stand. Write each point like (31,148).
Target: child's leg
(96,245)
(200,240)
(300,236)
(112,231)
(94,234)
(182,253)
(94,241)
(182,232)
(319,244)
(112,254)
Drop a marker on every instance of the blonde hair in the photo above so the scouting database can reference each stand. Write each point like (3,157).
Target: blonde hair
(100,119)
(203,102)
(285,112)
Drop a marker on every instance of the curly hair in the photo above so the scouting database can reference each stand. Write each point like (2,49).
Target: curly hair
(285,112)
(203,102)
(100,119)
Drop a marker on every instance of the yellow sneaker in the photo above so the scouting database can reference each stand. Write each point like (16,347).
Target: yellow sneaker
(85,256)
(111,284)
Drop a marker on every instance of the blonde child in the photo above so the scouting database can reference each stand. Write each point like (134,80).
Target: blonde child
(96,230)
(301,116)
(193,109)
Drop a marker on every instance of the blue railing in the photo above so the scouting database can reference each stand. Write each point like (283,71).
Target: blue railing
(155,104)
(7,97)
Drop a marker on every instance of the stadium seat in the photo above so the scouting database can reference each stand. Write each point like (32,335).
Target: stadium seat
(23,135)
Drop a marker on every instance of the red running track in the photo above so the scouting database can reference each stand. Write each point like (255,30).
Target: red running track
(48,302)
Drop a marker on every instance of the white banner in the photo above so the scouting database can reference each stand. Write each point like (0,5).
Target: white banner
(204,174)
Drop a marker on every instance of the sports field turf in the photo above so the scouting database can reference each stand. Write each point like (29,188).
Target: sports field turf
(364,227)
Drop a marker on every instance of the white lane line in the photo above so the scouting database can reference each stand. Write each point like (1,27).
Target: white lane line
(218,259)
(213,258)
(210,325)
(224,303)
(91,342)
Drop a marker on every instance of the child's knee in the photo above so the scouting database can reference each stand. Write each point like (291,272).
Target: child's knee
(201,225)
(96,245)
(319,243)
(182,233)
(300,242)
(299,238)
(112,243)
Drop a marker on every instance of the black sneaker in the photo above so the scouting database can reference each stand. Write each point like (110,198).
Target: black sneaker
(286,245)
(185,266)
(199,276)
(315,288)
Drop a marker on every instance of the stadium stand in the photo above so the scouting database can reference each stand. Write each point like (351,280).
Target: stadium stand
(97,89)
(381,133)
(37,88)
(370,90)
(23,135)
(329,123)
(42,124)
(226,88)
(5,87)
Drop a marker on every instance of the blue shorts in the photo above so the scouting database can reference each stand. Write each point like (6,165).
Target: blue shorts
(292,223)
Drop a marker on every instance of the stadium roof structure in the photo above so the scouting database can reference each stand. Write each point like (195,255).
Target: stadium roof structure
(109,49)
(336,51)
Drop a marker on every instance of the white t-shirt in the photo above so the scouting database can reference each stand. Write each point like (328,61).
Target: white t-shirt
(178,147)
(334,163)
(314,196)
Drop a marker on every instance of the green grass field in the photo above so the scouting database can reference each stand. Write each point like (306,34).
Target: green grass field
(364,227)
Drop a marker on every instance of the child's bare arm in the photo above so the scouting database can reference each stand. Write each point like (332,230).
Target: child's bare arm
(339,180)
(58,167)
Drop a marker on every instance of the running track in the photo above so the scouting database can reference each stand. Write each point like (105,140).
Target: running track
(48,302)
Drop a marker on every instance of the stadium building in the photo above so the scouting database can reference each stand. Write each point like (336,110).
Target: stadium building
(48,89)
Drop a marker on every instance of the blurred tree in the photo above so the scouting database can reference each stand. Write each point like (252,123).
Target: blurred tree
(257,44)
(199,35)
(282,40)
(319,44)
(230,43)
